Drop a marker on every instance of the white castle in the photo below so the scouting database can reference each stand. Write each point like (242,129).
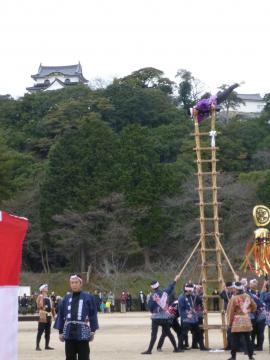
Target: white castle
(57,77)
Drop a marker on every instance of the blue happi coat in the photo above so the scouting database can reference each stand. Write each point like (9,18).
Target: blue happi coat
(259,314)
(159,302)
(186,305)
(265,298)
(86,321)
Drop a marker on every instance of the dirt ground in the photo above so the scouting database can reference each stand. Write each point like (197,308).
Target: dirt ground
(123,337)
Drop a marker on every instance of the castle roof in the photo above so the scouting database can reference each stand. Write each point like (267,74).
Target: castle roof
(250,97)
(67,70)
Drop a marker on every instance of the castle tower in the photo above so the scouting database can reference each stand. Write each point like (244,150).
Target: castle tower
(57,77)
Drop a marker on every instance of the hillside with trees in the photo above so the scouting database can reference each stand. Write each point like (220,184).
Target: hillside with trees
(106,175)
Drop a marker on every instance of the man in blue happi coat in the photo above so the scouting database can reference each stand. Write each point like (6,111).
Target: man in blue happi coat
(77,320)
(161,316)
(188,303)
(258,317)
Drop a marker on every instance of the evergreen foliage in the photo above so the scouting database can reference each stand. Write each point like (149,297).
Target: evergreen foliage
(106,176)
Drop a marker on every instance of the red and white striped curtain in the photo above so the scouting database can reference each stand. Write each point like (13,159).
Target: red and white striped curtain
(12,233)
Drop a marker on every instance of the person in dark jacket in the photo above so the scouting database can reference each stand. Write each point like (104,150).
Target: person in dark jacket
(173,309)
(159,307)
(265,298)
(77,320)
(129,302)
(257,317)
(188,304)
(97,300)
(215,300)
(226,294)
(142,301)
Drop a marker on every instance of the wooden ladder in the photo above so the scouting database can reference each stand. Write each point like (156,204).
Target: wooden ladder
(210,245)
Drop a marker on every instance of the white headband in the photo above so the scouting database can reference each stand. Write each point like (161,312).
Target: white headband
(240,287)
(42,287)
(75,277)
(189,288)
(155,285)
(253,281)
(244,281)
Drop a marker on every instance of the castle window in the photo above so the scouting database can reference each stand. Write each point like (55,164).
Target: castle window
(47,82)
(67,81)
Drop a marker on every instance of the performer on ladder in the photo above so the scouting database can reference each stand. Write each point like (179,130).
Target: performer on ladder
(203,108)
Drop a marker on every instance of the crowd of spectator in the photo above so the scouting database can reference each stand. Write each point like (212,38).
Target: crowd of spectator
(125,302)
(28,304)
(106,302)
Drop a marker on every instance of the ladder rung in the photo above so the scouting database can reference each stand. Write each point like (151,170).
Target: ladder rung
(207,173)
(212,281)
(211,296)
(209,203)
(206,148)
(214,327)
(211,265)
(210,234)
(211,250)
(209,219)
(202,134)
(208,188)
(206,161)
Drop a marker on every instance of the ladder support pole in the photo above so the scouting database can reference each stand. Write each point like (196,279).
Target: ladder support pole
(216,244)
(188,260)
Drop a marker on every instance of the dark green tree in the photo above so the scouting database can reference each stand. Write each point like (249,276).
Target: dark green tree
(189,89)
(149,107)
(150,78)
(81,169)
(145,180)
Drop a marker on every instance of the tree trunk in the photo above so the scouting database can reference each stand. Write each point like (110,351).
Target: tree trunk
(146,255)
(42,258)
(88,274)
(227,112)
(82,258)
(47,259)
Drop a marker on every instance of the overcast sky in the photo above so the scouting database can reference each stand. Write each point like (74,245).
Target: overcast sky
(219,41)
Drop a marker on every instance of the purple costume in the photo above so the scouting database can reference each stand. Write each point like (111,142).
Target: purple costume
(204,106)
